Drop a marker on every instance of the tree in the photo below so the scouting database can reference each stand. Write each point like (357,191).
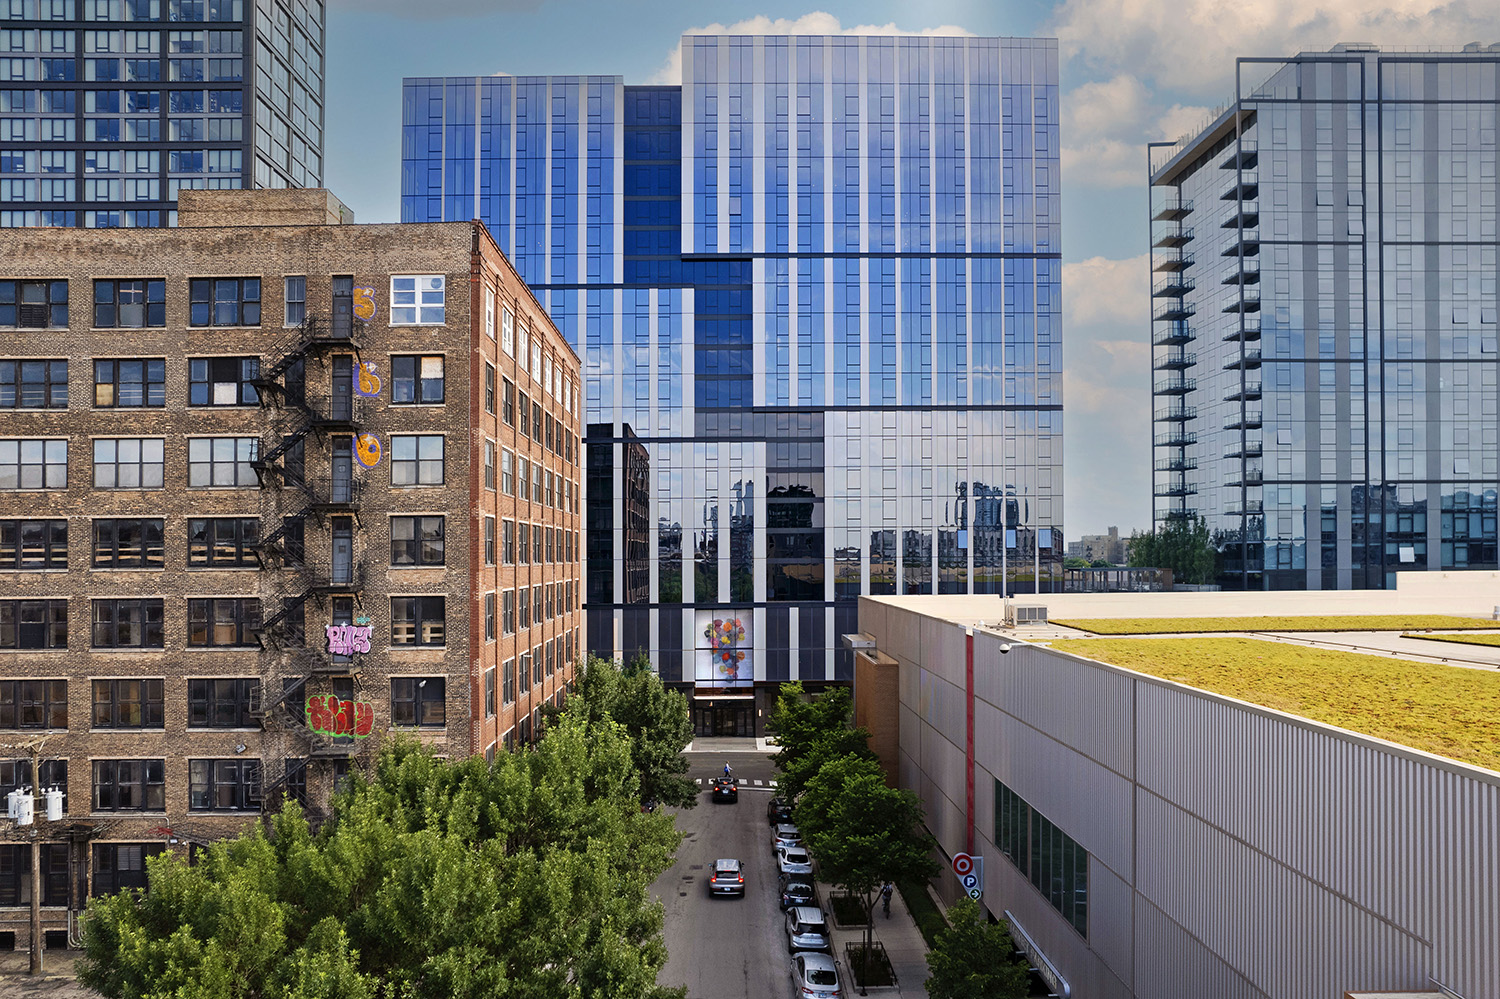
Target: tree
(1181,545)
(528,879)
(974,959)
(862,832)
(812,731)
(656,718)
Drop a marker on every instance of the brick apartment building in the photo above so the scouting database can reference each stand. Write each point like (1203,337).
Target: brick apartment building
(273,486)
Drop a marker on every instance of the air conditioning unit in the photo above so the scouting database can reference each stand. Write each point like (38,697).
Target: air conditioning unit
(1026,614)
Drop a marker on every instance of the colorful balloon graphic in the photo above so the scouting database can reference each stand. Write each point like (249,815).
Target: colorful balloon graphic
(367,450)
(368,383)
(724,636)
(364,303)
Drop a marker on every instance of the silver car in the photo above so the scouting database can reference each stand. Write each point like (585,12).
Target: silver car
(793,860)
(806,929)
(815,977)
(786,835)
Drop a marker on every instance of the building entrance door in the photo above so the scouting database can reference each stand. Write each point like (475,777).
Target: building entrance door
(724,718)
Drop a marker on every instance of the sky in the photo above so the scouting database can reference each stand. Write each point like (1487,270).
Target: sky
(1132,72)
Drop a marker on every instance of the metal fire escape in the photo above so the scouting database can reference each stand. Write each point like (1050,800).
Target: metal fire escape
(307,467)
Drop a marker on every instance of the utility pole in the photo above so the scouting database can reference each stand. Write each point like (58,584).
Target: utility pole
(34,747)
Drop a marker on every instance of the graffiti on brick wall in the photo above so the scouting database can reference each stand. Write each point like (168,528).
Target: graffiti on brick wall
(327,714)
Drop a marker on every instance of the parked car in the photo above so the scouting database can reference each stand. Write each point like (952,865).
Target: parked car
(778,811)
(728,878)
(815,977)
(724,789)
(793,860)
(786,835)
(797,889)
(806,929)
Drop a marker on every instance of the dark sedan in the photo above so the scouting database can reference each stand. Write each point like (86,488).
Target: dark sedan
(778,812)
(724,789)
(797,890)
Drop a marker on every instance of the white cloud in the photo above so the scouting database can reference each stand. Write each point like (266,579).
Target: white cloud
(816,23)
(438,8)
(1106,125)
(1193,44)
(1104,292)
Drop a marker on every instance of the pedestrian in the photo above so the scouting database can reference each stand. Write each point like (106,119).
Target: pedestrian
(885,898)
(728,770)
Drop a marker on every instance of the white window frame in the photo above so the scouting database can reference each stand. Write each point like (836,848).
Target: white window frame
(489,312)
(423,303)
(507,331)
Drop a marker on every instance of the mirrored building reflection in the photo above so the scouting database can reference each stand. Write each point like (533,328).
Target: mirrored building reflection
(816,292)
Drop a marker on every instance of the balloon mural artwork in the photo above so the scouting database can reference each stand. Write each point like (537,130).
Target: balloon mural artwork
(367,450)
(724,636)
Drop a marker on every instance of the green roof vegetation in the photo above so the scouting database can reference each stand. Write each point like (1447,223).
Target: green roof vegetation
(1461,639)
(1325,622)
(1447,710)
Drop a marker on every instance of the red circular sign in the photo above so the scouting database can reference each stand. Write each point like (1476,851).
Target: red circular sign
(963,864)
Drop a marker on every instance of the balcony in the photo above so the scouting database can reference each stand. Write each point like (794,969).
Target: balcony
(1245,216)
(1175,489)
(1174,284)
(1178,513)
(1174,385)
(1175,437)
(1247,271)
(1242,187)
(1173,309)
(1244,449)
(1172,208)
(1174,236)
(1249,328)
(1173,335)
(1175,360)
(1242,155)
(1176,414)
(1175,260)
(1249,391)
(1248,301)
(1246,242)
(1248,360)
(1250,508)
(1250,419)
(1179,463)
(1245,477)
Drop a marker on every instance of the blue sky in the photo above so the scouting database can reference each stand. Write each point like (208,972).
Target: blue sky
(1133,71)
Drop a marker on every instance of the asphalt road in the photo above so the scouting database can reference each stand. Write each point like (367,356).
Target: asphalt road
(723,948)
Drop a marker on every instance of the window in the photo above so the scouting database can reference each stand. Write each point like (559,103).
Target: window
(536,359)
(33,384)
(523,479)
(547,532)
(1053,862)
(489,465)
(525,672)
(33,704)
(507,542)
(523,550)
(418,701)
(525,415)
(522,351)
(523,607)
(417,621)
(15,873)
(489,314)
(507,473)
(222,461)
(489,541)
(33,464)
(508,612)
(33,544)
(229,702)
(489,692)
(417,380)
(417,300)
(295,299)
(130,304)
(224,302)
(224,542)
(223,381)
(507,331)
(551,655)
(508,401)
(536,543)
(223,622)
(489,617)
(536,422)
(489,389)
(130,786)
(417,460)
(128,703)
(508,682)
(129,462)
(34,305)
(417,540)
(128,544)
(118,866)
(130,383)
(128,624)
(33,624)
(223,785)
(536,665)
(17,774)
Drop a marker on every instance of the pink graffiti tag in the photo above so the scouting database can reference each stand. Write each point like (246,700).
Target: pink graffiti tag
(347,639)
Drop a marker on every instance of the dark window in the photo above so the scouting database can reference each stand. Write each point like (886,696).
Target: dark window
(507,542)
(130,786)
(33,384)
(33,624)
(33,544)
(121,865)
(417,540)
(130,304)
(523,613)
(232,702)
(489,617)
(223,621)
(489,541)
(128,704)
(508,401)
(15,874)
(523,550)
(34,305)
(417,380)
(508,683)
(128,624)
(418,701)
(33,704)
(417,621)
(223,785)
(223,381)
(489,692)
(536,421)
(295,785)
(1055,864)
(489,465)
(417,460)
(17,774)
(223,541)
(128,544)
(130,383)
(508,612)
(489,389)
(224,301)
(33,464)
(525,415)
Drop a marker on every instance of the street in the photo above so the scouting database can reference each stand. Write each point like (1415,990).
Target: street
(722,948)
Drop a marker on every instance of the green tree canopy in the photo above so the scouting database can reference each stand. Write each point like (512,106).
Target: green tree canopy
(1182,545)
(655,717)
(812,731)
(434,879)
(974,959)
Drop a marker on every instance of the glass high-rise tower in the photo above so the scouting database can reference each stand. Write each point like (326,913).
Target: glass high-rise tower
(1324,319)
(109,107)
(816,293)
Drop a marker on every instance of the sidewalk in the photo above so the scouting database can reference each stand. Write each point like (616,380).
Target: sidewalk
(903,943)
(58,982)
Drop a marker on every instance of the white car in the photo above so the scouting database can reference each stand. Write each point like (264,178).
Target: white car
(793,860)
(806,929)
(815,976)
(786,835)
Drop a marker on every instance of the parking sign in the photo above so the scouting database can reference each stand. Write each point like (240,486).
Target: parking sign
(970,871)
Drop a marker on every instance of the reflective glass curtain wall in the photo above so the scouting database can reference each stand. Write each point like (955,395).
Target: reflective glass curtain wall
(1328,248)
(109,107)
(816,293)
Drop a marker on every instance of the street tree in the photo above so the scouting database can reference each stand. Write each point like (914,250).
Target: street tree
(973,958)
(1186,547)
(812,731)
(655,717)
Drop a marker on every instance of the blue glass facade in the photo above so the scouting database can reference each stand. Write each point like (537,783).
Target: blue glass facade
(816,293)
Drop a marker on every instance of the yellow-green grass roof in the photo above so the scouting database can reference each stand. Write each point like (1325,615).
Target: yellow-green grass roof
(1324,622)
(1462,639)
(1447,710)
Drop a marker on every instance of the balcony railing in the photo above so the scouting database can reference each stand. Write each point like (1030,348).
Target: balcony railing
(1175,437)
(1175,359)
(1248,420)
(1177,414)
(1247,271)
(1244,449)
(1244,184)
(1173,309)
(1176,385)
(1173,334)
(1248,301)
(1172,208)
(1175,284)
(1172,260)
(1249,390)
(1174,236)
(1241,155)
